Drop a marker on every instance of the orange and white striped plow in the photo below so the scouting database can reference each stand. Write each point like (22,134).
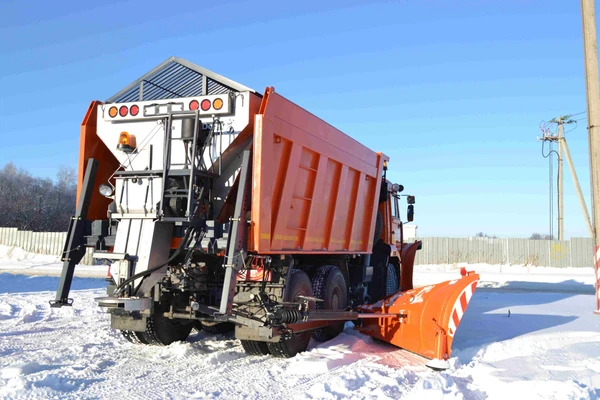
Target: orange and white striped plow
(425,319)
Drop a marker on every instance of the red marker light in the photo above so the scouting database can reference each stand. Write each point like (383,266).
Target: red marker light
(194,105)
(134,110)
(123,111)
(205,105)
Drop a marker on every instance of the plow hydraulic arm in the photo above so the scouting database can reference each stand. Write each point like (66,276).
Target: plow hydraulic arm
(422,321)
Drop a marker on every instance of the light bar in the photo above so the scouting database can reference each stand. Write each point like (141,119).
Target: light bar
(205,105)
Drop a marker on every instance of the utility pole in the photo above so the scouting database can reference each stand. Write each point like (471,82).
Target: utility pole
(563,147)
(559,189)
(584,208)
(590,52)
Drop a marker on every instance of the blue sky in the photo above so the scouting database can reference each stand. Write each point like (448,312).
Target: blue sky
(452,91)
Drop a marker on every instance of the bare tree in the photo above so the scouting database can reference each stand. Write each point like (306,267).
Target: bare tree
(485,235)
(38,204)
(539,236)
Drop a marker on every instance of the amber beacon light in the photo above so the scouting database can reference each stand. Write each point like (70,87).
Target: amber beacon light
(126,142)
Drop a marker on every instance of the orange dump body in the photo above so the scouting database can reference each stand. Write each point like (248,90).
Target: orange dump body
(314,189)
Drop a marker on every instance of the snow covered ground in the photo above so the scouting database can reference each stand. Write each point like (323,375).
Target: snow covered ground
(548,348)
(513,277)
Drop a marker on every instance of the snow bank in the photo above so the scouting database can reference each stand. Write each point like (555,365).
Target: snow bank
(9,253)
(512,277)
(15,260)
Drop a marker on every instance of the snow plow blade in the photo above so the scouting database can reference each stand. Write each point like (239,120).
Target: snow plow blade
(427,318)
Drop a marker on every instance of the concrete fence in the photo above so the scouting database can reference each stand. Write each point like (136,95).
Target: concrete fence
(576,252)
(49,243)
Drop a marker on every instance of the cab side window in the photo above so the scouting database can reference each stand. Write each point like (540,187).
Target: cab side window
(396,209)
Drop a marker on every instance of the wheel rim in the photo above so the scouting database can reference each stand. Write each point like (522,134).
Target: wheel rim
(335,298)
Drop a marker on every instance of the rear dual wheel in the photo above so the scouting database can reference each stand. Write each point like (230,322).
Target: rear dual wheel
(299,285)
(255,348)
(134,337)
(329,285)
(160,330)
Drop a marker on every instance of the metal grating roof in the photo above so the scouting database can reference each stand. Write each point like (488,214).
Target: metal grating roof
(175,78)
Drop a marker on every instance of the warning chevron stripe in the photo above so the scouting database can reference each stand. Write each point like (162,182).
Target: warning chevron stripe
(460,306)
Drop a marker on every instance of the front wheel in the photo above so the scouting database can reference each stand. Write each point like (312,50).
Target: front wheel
(391,282)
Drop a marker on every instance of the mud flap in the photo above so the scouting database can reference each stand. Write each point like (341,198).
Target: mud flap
(427,317)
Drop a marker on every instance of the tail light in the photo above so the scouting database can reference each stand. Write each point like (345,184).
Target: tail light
(217,104)
(134,110)
(123,111)
(205,105)
(194,105)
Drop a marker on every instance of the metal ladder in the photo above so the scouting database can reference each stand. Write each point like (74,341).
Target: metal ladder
(188,173)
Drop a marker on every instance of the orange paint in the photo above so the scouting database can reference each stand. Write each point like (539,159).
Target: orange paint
(432,314)
(90,146)
(315,189)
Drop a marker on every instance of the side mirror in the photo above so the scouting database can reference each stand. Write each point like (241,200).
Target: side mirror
(410,213)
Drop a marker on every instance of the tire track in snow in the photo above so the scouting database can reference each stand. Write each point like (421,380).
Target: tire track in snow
(71,353)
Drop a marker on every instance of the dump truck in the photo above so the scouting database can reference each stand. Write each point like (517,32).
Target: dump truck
(222,209)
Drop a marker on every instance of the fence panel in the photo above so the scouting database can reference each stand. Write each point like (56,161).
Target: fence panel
(582,252)
(48,243)
(576,252)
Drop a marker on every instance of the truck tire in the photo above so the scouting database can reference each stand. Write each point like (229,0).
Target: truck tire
(329,285)
(255,348)
(197,326)
(391,283)
(217,327)
(298,285)
(162,331)
(134,337)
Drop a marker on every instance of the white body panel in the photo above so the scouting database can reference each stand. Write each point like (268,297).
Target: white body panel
(141,197)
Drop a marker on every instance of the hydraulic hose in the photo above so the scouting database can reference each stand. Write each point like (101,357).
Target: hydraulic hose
(147,272)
